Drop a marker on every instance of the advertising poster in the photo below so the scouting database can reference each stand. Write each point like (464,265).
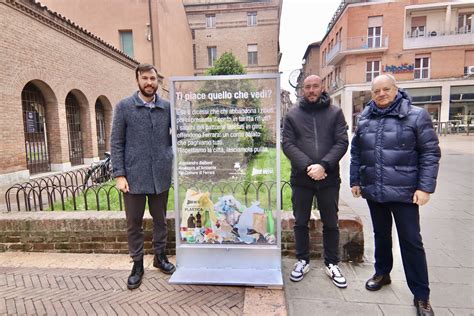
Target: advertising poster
(226,136)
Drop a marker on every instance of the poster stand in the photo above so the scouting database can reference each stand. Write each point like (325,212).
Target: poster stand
(226,187)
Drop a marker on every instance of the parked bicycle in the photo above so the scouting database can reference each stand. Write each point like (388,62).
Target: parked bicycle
(100,172)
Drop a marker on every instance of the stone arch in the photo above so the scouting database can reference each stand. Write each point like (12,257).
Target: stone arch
(78,126)
(39,104)
(104,127)
(45,82)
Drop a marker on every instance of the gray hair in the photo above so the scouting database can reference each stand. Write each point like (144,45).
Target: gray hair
(388,76)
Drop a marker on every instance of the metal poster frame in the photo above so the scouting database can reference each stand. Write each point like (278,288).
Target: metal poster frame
(228,264)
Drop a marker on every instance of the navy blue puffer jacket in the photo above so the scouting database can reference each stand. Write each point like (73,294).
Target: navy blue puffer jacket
(394,152)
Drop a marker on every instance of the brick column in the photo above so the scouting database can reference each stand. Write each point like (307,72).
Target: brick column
(58,142)
(89,132)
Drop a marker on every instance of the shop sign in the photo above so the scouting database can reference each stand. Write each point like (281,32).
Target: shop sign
(400,68)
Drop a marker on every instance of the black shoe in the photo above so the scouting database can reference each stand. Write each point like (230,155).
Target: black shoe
(423,308)
(135,278)
(161,262)
(376,282)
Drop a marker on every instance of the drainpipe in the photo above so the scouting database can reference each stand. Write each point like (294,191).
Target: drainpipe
(447,24)
(151,33)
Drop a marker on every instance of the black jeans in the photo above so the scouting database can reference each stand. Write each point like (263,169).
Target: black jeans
(407,220)
(134,211)
(328,199)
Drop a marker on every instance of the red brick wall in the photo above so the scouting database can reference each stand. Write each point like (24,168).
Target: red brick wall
(105,232)
(59,58)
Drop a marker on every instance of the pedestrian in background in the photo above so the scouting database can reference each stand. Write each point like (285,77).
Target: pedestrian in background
(394,165)
(314,140)
(142,159)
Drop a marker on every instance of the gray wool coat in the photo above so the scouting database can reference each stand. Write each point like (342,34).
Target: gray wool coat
(141,145)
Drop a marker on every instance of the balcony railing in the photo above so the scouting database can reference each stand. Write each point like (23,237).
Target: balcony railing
(438,39)
(333,52)
(336,84)
(356,45)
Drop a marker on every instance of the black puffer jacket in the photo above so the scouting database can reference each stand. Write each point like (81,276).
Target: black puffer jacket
(315,133)
(394,152)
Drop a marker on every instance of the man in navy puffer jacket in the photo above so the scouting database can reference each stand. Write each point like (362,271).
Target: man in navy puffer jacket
(394,164)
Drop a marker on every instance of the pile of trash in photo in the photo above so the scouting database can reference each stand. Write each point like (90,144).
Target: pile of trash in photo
(227,221)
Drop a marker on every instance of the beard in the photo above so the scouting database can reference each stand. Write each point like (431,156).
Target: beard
(312,98)
(148,94)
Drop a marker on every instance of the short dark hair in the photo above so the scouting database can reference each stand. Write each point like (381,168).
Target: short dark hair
(144,67)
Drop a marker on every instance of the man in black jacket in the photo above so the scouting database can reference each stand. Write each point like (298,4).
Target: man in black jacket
(315,139)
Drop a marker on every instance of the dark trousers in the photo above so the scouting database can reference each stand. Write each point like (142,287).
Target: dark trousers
(134,210)
(328,199)
(407,220)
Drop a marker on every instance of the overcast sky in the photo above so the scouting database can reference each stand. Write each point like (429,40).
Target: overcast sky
(302,23)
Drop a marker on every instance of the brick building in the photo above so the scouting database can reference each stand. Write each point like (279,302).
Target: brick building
(196,32)
(248,29)
(311,60)
(151,31)
(310,65)
(413,40)
(64,69)
(59,83)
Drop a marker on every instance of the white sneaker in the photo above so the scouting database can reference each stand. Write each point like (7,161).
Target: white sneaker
(333,271)
(300,268)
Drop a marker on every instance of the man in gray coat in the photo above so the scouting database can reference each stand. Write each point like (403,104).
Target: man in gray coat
(142,162)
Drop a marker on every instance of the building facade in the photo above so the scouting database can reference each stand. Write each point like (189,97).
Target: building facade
(311,61)
(427,45)
(59,84)
(184,38)
(151,31)
(286,104)
(249,29)
(65,64)
(311,65)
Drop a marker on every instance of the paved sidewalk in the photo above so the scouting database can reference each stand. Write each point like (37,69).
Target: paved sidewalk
(447,226)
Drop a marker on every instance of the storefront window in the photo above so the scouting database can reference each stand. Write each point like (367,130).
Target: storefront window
(359,100)
(433,110)
(462,112)
(461,108)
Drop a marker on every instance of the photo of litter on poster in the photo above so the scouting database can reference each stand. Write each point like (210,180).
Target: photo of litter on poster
(227,221)
(226,161)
